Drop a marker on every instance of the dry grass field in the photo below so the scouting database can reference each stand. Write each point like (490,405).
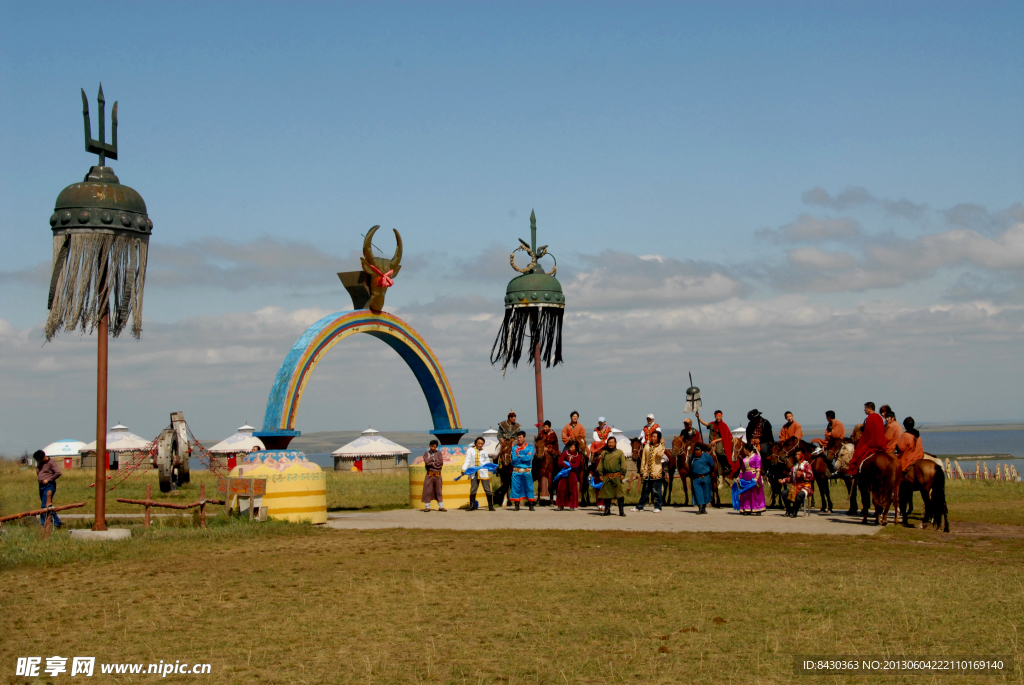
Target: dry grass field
(278,603)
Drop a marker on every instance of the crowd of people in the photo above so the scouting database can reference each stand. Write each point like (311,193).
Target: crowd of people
(593,461)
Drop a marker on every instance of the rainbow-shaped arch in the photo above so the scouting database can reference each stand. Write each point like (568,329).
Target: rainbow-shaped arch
(285,396)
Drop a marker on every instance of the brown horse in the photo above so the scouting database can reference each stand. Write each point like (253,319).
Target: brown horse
(681,451)
(636,453)
(879,477)
(544,469)
(927,477)
(504,471)
(780,462)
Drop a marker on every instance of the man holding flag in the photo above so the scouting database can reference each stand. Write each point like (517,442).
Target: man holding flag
(721,441)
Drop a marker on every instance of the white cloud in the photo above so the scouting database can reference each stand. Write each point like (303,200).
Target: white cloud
(808,228)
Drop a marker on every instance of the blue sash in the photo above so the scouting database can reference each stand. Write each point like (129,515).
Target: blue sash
(739,486)
(471,471)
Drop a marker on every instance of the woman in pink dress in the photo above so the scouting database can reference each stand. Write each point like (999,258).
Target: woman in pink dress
(752,500)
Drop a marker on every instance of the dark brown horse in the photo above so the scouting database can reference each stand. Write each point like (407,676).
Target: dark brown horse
(778,466)
(544,460)
(681,450)
(668,473)
(504,471)
(928,478)
(879,477)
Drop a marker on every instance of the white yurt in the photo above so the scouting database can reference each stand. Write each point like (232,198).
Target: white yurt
(121,443)
(490,441)
(65,452)
(621,441)
(239,444)
(368,450)
(740,433)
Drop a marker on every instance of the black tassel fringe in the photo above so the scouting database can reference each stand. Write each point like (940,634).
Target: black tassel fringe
(541,323)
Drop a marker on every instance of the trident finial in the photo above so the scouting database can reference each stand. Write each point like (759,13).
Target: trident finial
(100,147)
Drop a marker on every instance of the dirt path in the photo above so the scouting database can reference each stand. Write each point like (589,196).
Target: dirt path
(670,520)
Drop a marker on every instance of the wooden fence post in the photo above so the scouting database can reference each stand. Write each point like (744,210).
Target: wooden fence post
(48,526)
(149,498)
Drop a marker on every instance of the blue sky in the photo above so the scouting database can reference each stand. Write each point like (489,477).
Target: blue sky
(782,157)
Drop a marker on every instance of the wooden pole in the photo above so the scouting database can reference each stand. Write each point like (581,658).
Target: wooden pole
(202,505)
(540,387)
(100,522)
(149,497)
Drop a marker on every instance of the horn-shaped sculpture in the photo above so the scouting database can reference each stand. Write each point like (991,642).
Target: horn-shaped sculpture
(369,286)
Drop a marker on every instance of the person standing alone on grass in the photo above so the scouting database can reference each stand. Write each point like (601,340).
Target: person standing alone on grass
(522,472)
(701,465)
(611,467)
(650,472)
(47,473)
(433,461)
(476,457)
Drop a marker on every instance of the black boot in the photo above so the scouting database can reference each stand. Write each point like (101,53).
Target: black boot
(472,503)
(607,508)
(517,506)
(490,501)
(529,502)
(622,503)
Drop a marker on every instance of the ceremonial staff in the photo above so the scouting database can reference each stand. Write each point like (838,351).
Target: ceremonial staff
(100,243)
(534,306)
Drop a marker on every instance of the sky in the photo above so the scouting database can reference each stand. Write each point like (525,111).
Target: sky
(806,205)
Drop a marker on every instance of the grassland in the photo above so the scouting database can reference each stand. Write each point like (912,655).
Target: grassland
(277,603)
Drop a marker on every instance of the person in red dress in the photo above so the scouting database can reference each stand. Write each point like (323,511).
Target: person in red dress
(567,488)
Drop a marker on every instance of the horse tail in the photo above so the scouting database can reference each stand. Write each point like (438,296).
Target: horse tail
(939,499)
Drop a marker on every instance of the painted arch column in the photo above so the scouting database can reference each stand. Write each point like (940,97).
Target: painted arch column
(286,394)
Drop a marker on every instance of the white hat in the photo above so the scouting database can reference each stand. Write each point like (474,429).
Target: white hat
(600,419)
(650,416)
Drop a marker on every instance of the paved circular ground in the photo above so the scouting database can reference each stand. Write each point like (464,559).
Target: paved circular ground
(669,520)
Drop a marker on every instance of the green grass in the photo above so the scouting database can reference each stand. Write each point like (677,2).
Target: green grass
(301,604)
(346,491)
(293,603)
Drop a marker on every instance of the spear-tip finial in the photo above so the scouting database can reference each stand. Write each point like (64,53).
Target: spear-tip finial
(533,231)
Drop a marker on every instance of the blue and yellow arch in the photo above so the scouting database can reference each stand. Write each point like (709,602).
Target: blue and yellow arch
(283,404)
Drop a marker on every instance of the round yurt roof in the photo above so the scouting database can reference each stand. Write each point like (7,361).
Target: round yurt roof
(120,439)
(370,444)
(740,433)
(64,448)
(490,441)
(242,441)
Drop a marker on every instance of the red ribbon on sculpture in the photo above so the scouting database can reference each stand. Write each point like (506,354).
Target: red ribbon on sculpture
(383,279)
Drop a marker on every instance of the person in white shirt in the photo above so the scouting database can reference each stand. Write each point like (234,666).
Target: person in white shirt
(477,457)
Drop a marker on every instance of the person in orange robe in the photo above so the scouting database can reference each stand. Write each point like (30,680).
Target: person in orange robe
(892,430)
(909,445)
(834,433)
(574,430)
(872,439)
(791,429)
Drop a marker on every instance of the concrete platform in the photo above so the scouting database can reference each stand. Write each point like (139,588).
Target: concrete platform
(670,520)
(100,535)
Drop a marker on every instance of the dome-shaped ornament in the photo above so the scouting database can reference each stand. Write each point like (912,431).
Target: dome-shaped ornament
(98,221)
(534,307)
